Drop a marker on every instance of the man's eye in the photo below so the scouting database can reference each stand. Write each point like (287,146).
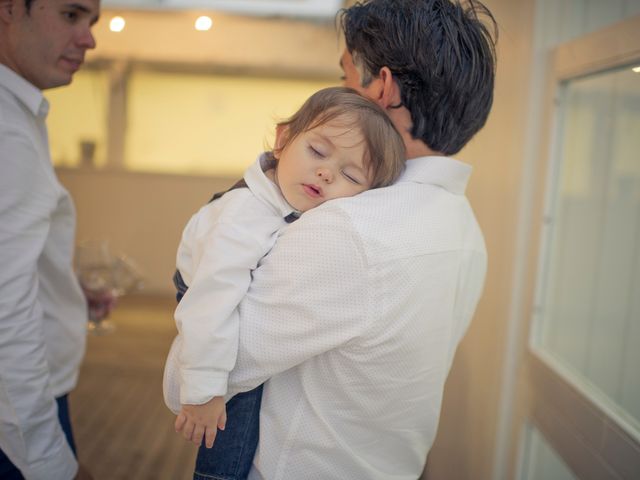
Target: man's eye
(71,16)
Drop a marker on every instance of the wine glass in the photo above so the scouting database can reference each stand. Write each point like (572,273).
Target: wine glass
(127,276)
(94,267)
(103,278)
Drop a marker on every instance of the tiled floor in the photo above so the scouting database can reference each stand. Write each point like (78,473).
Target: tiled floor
(122,428)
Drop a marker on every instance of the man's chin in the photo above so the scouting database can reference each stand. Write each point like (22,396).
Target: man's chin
(59,80)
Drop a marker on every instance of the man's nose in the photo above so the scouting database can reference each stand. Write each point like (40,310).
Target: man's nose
(325,175)
(85,39)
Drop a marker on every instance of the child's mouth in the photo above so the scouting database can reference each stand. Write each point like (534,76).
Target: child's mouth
(312,190)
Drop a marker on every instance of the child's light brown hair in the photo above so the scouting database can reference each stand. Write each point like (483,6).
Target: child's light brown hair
(385,151)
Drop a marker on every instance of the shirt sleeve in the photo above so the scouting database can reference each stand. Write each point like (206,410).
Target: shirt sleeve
(30,432)
(207,315)
(308,296)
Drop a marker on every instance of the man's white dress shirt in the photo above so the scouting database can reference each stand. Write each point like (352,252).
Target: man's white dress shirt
(42,309)
(221,245)
(353,319)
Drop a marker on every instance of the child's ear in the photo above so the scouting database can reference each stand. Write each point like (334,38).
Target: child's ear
(282,136)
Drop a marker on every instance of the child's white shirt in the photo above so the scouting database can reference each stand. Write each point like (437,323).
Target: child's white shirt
(221,245)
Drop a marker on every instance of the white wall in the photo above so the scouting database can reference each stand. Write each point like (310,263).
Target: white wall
(141,214)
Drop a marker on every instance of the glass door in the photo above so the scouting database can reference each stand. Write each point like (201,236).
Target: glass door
(577,407)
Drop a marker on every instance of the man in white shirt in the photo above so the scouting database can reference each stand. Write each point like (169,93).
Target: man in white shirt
(43,311)
(353,318)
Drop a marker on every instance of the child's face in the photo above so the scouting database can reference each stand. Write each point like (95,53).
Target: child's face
(323,163)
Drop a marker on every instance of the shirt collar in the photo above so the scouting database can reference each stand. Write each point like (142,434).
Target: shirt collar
(24,91)
(263,188)
(444,172)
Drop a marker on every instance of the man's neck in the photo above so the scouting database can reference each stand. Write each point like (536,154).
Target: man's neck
(415,148)
(4,60)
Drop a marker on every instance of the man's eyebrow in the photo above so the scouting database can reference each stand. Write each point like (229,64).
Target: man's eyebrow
(78,6)
(83,9)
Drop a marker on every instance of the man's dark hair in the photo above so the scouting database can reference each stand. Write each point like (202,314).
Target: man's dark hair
(440,53)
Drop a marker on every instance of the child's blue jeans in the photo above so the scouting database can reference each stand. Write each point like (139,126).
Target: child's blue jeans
(232,453)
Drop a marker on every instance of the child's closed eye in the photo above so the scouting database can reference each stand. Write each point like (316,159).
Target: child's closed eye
(351,178)
(316,152)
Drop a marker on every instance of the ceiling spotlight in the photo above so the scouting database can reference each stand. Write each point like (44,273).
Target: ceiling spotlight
(203,23)
(636,69)
(117,24)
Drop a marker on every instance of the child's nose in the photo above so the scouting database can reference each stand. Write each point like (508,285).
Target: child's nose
(325,175)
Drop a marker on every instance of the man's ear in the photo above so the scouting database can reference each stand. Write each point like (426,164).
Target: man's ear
(6,10)
(389,96)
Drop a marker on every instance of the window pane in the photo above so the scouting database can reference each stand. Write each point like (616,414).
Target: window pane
(540,461)
(299,8)
(589,307)
(214,124)
(78,115)
(566,20)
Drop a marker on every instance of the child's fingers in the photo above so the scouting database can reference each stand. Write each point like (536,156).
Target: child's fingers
(187,430)
(180,419)
(222,420)
(210,436)
(198,432)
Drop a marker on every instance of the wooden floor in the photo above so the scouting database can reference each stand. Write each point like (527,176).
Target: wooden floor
(122,428)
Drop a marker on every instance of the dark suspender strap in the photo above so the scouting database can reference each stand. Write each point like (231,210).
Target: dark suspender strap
(292,217)
(239,184)
(181,287)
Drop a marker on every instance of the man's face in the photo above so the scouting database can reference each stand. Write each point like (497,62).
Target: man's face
(47,44)
(351,77)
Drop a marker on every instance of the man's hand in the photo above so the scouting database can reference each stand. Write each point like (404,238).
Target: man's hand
(100,302)
(194,421)
(83,473)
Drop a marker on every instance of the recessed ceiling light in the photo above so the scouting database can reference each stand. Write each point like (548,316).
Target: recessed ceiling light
(117,24)
(636,69)
(203,23)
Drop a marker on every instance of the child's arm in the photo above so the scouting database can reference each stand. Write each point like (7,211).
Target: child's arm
(207,316)
(225,248)
(194,421)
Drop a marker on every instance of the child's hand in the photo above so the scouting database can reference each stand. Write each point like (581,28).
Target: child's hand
(194,421)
